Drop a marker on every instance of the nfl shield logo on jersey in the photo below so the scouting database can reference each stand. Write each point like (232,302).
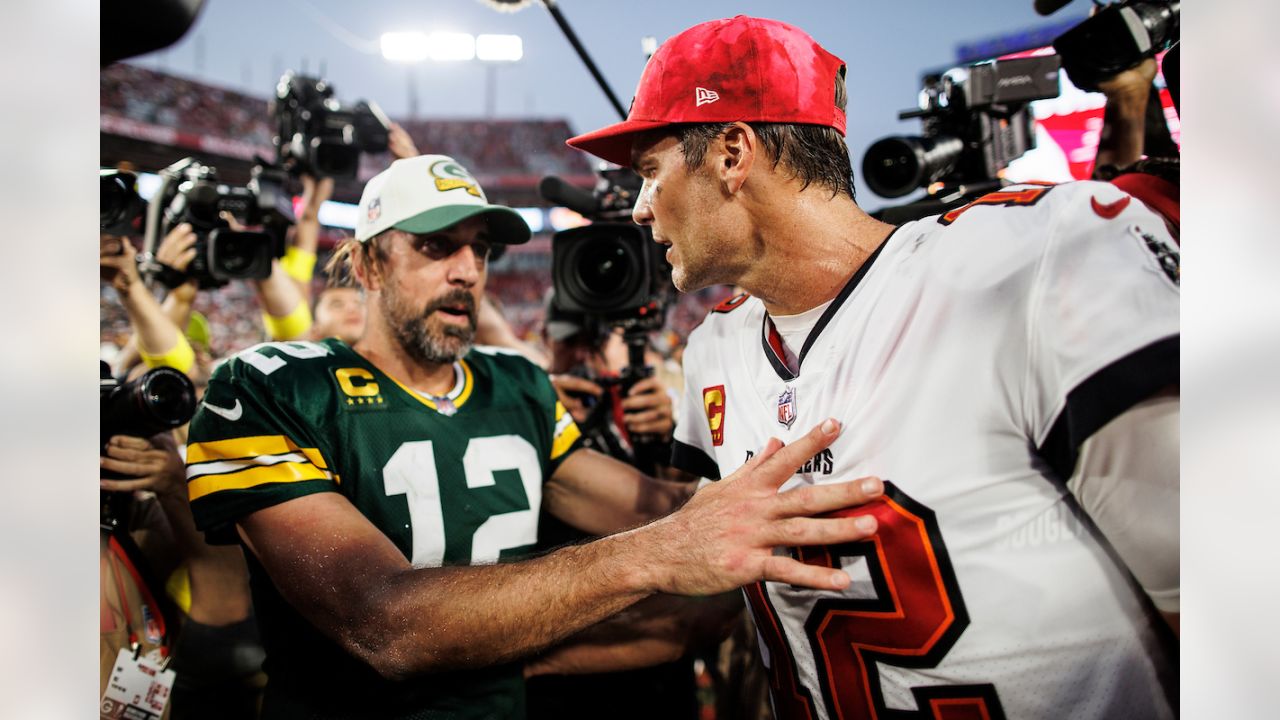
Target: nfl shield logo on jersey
(787,407)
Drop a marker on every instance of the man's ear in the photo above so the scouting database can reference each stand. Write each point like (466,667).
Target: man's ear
(737,153)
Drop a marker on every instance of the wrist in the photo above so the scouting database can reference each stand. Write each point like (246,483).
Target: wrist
(639,552)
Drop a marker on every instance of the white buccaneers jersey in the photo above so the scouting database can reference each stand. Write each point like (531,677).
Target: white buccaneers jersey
(967,360)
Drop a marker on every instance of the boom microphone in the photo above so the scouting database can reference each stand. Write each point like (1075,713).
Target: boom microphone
(554,190)
(1049,7)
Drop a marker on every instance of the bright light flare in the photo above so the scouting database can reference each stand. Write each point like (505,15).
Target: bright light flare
(451,46)
(405,47)
(499,48)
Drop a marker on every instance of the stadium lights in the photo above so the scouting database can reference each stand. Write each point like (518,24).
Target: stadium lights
(405,47)
(451,46)
(499,48)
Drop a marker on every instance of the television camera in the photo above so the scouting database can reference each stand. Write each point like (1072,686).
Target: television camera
(975,122)
(318,135)
(190,192)
(610,274)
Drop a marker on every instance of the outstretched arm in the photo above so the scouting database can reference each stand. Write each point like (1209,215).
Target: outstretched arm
(659,629)
(349,580)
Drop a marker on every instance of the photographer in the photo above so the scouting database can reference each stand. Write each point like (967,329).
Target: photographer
(583,356)
(152,557)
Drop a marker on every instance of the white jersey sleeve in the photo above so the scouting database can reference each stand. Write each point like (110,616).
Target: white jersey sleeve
(1102,332)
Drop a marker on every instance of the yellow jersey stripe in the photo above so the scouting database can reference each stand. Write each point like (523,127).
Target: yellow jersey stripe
(245,447)
(280,473)
(563,441)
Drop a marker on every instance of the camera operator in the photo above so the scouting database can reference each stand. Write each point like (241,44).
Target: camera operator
(583,353)
(152,556)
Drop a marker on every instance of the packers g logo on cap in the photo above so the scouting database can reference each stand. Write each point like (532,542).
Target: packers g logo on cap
(450,175)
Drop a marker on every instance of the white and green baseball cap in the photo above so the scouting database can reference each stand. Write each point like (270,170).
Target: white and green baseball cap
(428,193)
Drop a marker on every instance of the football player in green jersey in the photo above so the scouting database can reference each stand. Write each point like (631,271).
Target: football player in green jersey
(384,488)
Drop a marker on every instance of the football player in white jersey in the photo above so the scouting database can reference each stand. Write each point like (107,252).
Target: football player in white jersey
(1009,368)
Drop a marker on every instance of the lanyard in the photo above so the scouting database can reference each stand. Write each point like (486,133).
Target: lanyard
(119,556)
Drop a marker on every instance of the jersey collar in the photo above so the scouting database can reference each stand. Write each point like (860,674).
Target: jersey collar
(463,384)
(771,340)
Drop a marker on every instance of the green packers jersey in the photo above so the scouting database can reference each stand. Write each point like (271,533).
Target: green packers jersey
(452,480)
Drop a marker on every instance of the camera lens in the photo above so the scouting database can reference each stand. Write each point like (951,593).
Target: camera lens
(894,166)
(603,267)
(168,397)
(112,200)
(234,254)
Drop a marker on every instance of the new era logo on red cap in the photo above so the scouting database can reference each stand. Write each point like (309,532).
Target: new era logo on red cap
(702,96)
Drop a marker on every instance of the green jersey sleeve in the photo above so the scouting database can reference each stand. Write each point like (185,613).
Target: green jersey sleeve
(248,449)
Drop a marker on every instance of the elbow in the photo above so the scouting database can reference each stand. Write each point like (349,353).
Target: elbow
(389,656)
(390,642)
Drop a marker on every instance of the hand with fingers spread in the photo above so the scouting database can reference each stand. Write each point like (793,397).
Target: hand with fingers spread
(150,464)
(724,537)
(648,409)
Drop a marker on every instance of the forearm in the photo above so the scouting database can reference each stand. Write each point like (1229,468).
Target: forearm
(600,495)
(285,311)
(218,575)
(154,332)
(219,585)
(177,304)
(299,261)
(662,628)
(433,619)
(278,294)
(1124,129)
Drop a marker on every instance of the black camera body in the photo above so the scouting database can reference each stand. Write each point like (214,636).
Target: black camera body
(1116,38)
(160,399)
(611,270)
(975,122)
(224,254)
(119,204)
(317,135)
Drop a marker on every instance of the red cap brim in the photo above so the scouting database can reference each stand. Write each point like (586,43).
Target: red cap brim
(613,143)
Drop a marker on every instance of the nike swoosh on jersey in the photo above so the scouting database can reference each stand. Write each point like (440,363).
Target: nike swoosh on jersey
(1110,210)
(232,413)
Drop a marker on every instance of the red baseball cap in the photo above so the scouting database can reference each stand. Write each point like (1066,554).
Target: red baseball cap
(739,68)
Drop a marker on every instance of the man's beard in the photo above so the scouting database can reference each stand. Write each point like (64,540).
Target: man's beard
(428,342)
